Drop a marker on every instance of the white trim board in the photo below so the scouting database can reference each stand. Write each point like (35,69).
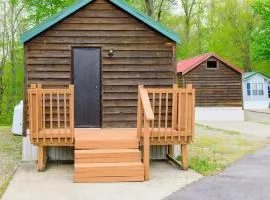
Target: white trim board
(249,105)
(219,114)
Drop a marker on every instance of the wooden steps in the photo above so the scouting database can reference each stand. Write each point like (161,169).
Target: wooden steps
(107,155)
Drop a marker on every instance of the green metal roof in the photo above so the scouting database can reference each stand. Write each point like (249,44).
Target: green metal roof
(247,75)
(81,3)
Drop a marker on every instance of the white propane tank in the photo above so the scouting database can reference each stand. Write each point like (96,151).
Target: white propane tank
(18,119)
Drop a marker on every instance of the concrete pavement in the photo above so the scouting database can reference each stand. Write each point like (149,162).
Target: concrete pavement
(247,128)
(57,184)
(247,179)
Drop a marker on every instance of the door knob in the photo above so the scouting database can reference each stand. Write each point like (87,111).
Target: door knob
(96,86)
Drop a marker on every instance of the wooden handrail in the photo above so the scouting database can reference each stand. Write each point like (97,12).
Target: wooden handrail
(165,117)
(146,104)
(144,108)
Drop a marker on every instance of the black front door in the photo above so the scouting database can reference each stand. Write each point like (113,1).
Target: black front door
(86,74)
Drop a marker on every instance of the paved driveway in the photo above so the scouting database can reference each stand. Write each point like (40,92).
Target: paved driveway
(250,129)
(248,179)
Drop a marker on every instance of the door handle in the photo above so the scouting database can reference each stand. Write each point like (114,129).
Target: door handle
(96,87)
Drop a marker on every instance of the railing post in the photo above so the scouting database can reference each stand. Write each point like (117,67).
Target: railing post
(71,111)
(189,107)
(34,116)
(139,112)
(146,148)
(174,106)
(39,107)
(30,110)
(193,112)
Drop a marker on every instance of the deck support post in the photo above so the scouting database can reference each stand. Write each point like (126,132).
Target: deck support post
(42,157)
(146,148)
(171,150)
(184,156)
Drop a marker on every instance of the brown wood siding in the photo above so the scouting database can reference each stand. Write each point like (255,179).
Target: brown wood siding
(142,56)
(220,87)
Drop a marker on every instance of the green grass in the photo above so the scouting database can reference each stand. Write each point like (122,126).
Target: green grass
(215,149)
(10,153)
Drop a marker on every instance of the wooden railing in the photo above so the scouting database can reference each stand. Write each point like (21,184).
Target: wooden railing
(51,115)
(165,117)
(144,108)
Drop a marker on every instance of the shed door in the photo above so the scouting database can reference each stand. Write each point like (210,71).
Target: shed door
(86,72)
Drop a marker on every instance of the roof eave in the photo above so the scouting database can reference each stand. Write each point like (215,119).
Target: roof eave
(73,8)
(207,57)
(248,77)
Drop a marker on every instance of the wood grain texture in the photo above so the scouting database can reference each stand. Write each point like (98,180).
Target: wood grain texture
(141,56)
(107,155)
(221,87)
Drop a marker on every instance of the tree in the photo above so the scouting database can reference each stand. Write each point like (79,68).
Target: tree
(149,4)
(15,8)
(153,8)
(188,7)
(261,44)
(239,23)
(199,28)
(40,10)
(3,51)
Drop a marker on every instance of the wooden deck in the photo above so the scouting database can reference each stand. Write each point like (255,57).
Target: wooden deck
(164,117)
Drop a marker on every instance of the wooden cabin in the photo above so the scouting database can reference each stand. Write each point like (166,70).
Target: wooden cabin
(218,86)
(83,68)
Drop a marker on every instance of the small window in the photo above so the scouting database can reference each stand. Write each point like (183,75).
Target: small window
(257,89)
(260,89)
(254,89)
(248,89)
(211,64)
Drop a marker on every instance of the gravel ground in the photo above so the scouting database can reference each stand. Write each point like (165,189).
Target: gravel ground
(10,154)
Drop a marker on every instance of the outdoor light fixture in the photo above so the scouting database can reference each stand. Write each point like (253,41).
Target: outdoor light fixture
(111,52)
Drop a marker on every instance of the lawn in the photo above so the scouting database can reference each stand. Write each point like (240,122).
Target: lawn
(215,149)
(10,153)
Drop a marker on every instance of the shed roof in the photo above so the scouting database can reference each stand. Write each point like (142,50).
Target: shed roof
(81,3)
(184,66)
(248,75)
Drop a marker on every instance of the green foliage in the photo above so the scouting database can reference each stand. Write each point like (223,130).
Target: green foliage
(262,32)
(40,10)
(24,15)
(203,165)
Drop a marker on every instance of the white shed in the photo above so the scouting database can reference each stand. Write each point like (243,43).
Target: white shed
(256,91)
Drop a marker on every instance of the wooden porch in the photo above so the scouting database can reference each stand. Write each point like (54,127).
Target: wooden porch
(164,117)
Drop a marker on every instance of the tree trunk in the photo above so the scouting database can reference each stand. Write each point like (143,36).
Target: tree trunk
(247,60)
(188,6)
(187,30)
(160,10)
(149,7)
(13,78)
